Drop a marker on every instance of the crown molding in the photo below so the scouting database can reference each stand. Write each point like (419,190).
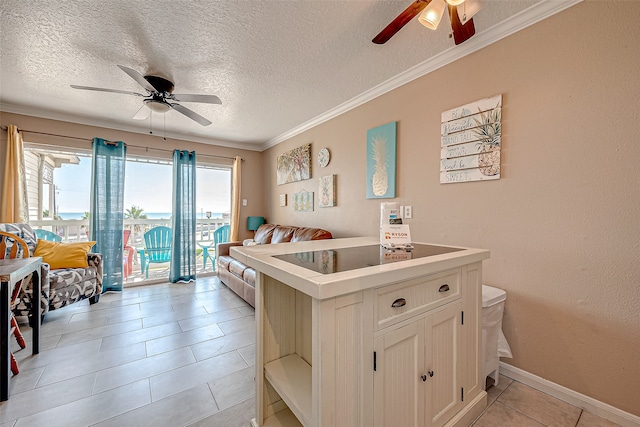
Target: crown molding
(517,22)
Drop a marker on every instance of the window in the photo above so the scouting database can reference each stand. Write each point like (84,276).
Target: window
(59,188)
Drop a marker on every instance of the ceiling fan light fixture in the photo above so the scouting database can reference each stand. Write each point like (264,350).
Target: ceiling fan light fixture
(157,106)
(431,16)
(468,10)
(455,2)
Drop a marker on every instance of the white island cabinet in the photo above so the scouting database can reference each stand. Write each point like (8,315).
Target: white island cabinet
(348,334)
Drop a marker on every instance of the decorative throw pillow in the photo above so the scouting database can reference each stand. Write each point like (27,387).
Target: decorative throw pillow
(64,255)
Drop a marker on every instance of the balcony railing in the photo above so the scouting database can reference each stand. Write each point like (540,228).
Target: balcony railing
(74,230)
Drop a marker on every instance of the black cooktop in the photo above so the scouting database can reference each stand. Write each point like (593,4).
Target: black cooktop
(345,259)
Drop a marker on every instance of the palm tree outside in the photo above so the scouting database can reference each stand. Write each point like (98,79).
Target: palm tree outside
(135,212)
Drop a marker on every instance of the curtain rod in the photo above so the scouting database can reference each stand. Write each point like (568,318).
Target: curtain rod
(4,128)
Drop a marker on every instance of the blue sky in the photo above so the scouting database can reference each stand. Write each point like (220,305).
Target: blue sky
(146,185)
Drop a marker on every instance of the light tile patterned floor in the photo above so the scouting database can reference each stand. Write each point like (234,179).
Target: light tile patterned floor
(182,355)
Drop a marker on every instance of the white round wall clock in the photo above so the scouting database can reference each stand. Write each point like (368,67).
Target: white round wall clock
(323,157)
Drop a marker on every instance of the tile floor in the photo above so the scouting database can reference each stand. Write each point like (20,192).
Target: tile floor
(182,355)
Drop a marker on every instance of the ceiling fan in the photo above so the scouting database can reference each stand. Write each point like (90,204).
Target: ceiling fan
(460,14)
(158,97)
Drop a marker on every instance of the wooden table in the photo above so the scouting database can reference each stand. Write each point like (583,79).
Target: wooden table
(12,271)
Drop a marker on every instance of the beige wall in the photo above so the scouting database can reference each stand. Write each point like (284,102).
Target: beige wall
(251,166)
(562,222)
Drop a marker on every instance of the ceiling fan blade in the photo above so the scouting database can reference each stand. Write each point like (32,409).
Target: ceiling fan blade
(207,99)
(401,20)
(138,78)
(100,89)
(191,114)
(461,33)
(142,113)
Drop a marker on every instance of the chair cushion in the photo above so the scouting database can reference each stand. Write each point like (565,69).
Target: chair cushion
(70,285)
(249,276)
(237,268)
(303,234)
(224,261)
(264,233)
(64,255)
(282,234)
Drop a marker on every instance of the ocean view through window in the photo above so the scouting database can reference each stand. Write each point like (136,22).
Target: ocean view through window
(59,188)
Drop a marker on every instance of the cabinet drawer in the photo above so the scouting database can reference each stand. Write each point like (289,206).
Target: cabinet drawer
(401,301)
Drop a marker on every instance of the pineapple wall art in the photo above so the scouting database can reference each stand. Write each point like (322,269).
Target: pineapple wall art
(303,201)
(381,162)
(470,142)
(327,191)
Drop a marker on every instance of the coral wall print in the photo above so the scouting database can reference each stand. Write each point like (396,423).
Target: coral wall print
(294,165)
(303,201)
(381,162)
(470,142)
(327,190)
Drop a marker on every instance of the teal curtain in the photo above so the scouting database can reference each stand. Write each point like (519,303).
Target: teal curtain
(107,209)
(183,218)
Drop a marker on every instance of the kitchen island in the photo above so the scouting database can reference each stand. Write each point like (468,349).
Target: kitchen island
(351,334)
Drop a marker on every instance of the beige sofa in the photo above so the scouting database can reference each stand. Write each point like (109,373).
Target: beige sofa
(242,279)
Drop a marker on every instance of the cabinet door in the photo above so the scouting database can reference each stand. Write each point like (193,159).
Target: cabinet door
(398,390)
(443,340)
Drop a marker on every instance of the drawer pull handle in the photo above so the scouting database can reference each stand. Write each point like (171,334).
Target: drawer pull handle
(424,377)
(444,288)
(400,302)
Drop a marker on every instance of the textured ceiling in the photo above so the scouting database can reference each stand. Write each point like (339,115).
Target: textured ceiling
(276,65)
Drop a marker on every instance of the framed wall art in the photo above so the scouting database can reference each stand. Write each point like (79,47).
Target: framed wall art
(381,162)
(303,201)
(327,191)
(470,142)
(294,165)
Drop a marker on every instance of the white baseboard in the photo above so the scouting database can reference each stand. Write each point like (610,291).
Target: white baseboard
(587,403)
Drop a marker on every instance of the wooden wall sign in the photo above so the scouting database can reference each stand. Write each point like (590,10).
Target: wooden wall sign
(470,141)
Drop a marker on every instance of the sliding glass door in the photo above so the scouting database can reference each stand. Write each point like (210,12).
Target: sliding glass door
(59,190)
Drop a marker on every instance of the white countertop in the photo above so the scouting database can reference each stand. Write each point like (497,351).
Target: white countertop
(321,286)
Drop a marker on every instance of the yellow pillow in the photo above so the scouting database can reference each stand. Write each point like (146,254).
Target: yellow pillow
(64,255)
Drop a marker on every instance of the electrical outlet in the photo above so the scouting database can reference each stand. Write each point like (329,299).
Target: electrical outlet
(408,212)
(244,202)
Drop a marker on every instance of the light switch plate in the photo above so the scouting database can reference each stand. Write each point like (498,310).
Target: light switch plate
(408,212)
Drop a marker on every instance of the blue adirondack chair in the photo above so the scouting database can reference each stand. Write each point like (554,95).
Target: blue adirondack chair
(158,248)
(220,235)
(48,235)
